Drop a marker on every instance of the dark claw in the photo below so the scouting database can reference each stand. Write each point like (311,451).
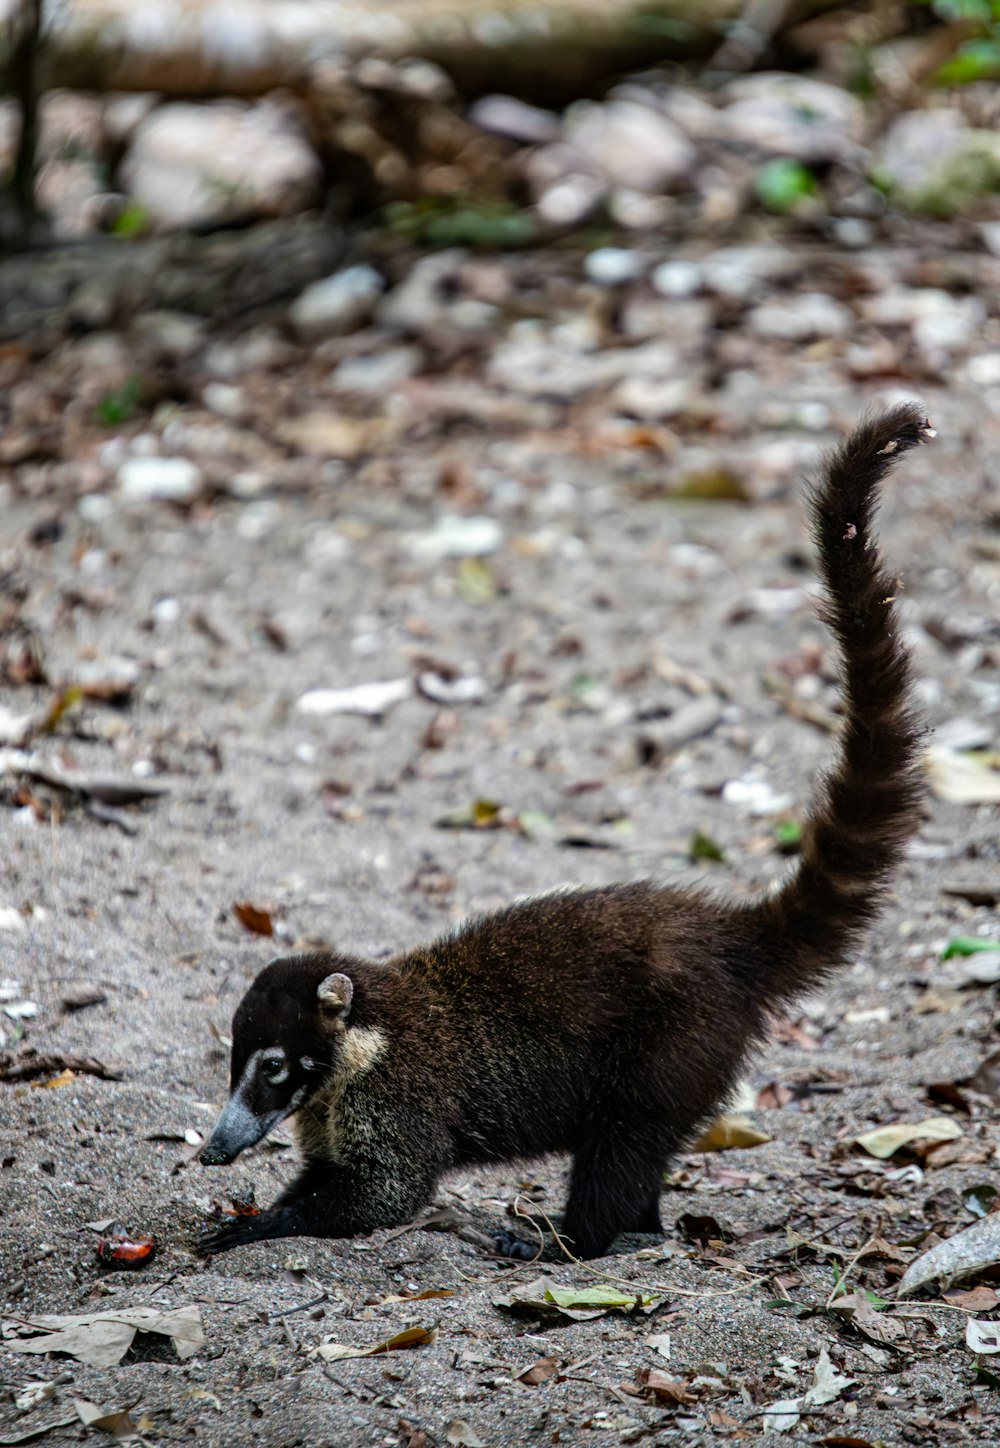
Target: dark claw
(220,1239)
(508,1245)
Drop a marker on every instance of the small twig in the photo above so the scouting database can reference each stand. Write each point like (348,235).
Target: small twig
(300,1307)
(631,1286)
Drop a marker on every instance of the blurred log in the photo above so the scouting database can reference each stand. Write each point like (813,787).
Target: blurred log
(230,276)
(545,50)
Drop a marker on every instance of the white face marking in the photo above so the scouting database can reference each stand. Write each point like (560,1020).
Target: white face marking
(257,1066)
(362,1046)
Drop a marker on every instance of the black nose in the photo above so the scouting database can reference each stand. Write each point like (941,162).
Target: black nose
(214,1156)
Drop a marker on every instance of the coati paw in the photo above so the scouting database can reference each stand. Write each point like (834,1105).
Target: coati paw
(507,1245)
(221,1238)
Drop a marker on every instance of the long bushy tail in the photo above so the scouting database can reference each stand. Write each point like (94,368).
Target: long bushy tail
(868,805)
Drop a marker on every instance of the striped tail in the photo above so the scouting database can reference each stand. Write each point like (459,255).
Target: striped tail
(868,805)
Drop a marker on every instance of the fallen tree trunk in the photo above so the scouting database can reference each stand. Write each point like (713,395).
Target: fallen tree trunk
(548,52)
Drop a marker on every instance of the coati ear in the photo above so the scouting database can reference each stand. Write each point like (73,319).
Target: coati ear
(334,995)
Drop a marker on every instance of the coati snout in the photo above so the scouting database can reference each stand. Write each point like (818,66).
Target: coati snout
(285,1042)
(606,1023)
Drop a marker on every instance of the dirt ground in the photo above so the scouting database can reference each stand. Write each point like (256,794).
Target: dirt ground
(605,608)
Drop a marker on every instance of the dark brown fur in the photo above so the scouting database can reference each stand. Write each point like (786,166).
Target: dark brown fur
(608,1023)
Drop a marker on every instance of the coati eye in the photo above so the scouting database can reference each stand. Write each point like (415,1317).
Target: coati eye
(273,1065)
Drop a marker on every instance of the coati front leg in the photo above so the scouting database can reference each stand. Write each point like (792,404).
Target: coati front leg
(327,1199)
(307,1208)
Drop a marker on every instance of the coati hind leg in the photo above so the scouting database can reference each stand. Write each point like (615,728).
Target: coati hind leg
(649,1219)
(615,1184)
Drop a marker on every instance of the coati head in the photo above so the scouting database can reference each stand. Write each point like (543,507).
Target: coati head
(285,1043)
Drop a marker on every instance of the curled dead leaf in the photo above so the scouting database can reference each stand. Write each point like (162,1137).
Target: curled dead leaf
(333,1352)
(256,920)
(730,1132)
(884,1141)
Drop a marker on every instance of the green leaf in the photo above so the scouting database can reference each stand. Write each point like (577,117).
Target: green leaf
(599,1296)
(967,945)
(788,834)
(974,60)
(481,814)
(783,184)
(475,581)
(121,404)
(703,847)
(535,824)
(450,221)
(131,221)
(796,1309)
(877,1302)
(986,1379)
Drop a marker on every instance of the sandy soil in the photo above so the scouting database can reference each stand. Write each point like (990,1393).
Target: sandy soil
(584,626)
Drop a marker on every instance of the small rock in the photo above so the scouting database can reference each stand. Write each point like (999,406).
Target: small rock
(940,334)
(656,397)
(678,279)
(739,273)
(336,305)
(193,165)
(800,318)
(792,115)
(514,119)
(571,199)
(263,349)
(465,689)
(112,677)
(541,362)
(371,700)
(377,374)
(613,266)
(170,480)
(631,144)
(903,306)
(984,370)
(223,398)
(754,797)
(990,232)
(690,721)
(426,298)
(173,335)
(637,210)
(79,997)
(456,537)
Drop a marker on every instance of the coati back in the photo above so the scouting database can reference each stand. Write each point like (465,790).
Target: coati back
(608,1023)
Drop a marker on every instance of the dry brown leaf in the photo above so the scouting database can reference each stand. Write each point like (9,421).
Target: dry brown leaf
(333,1352)
(730,1132)
(328,435)
(28,1064)
(115,1421)
(253,917)
(538,1372)
(64,1078)
(877,1326)
(885,1140)
(674,1390)
(102,1339)
(418,1296)
(461,1434)
(972,1299)
(963,1255)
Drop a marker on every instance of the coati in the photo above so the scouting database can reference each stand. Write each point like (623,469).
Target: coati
(608,1023)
